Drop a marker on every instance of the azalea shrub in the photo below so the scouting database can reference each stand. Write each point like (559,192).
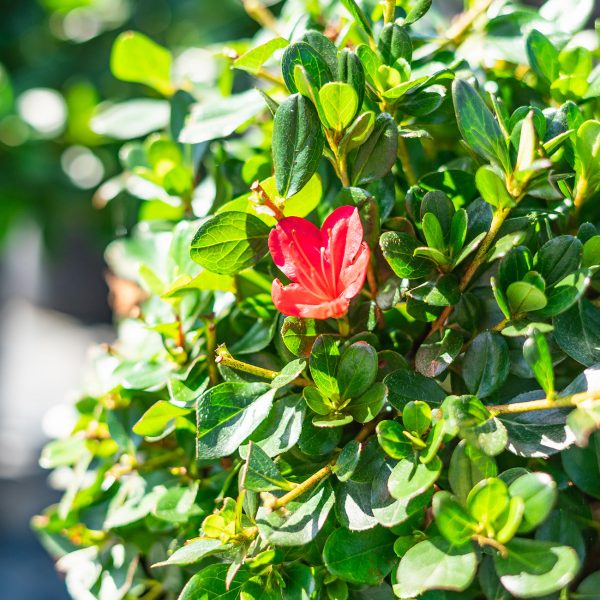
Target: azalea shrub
(358,349)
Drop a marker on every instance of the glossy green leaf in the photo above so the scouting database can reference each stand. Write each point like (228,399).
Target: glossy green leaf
(452,520)
(478,126)
(533,568)
(486,364)
(253,60)
(228,413)
(300,53)
(340,104)
(135,57)
(435,564)
(297,144)
(360,557)
(398,249)
(230,242)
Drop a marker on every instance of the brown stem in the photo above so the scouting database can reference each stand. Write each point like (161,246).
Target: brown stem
(545,404)
(464,22)
(486,541)
(266,200)
(211,346)
(497,221)
(223,356)
(302,487)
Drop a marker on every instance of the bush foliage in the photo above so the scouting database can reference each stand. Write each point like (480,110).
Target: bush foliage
(359,323)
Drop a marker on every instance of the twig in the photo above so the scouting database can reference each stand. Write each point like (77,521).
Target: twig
(544,404)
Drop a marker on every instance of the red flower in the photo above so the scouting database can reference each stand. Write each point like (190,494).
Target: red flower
(327,266)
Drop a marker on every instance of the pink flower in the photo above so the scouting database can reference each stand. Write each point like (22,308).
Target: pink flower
(327,266)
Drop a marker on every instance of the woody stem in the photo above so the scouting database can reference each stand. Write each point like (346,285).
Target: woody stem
(224,357)
(266,200)
(545,404)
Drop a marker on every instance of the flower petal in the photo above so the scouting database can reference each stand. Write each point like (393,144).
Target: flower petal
(294,300)
(342,235)
(295,247)
(352,278)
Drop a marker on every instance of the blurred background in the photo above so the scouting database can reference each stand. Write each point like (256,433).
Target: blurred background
(54,72)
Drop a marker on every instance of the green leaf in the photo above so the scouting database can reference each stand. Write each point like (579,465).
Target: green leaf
(587,152)
(255,58)
(443,292)
(435,564)
(433,232)
(351,71)
(390,435)
(230,242)
(524,297)
(486,364)
(405,385)
(356,370)
(537,355)
(411,478)
(316,401)
(324,46)
(577,332)
(135,57)
(302,520)
(358,15)
(324,361)
(297,144)
(398,249)
(353,506)
(193,553)
(347,460)
(469,466)
(131,118)
(581,465)
(589,588)
(210,584)
(394,43)
(478,126)
(260,473)
(158,417)
(360,557)
(416,417)
(177,504)
(367,406)
(388,510)
(436,354)
(538,491)
(218,117)
(418,10)
(357,132)
(305,56)
(280,431)
(340,104)
(543,56)
(492,188)
(452,520)
(299,335)
(228,413)
(533,568)
(558,257)
(376,156)
(488,501)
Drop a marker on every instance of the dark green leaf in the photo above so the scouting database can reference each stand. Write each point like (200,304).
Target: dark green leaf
(438,352)
(533,568)
(304,55)
(297,144)
(228,413)
(486,364)
(360,557)
(405,385)
(577,332)
(398,249)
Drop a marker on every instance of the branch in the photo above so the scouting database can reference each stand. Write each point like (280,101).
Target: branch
(545,404)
